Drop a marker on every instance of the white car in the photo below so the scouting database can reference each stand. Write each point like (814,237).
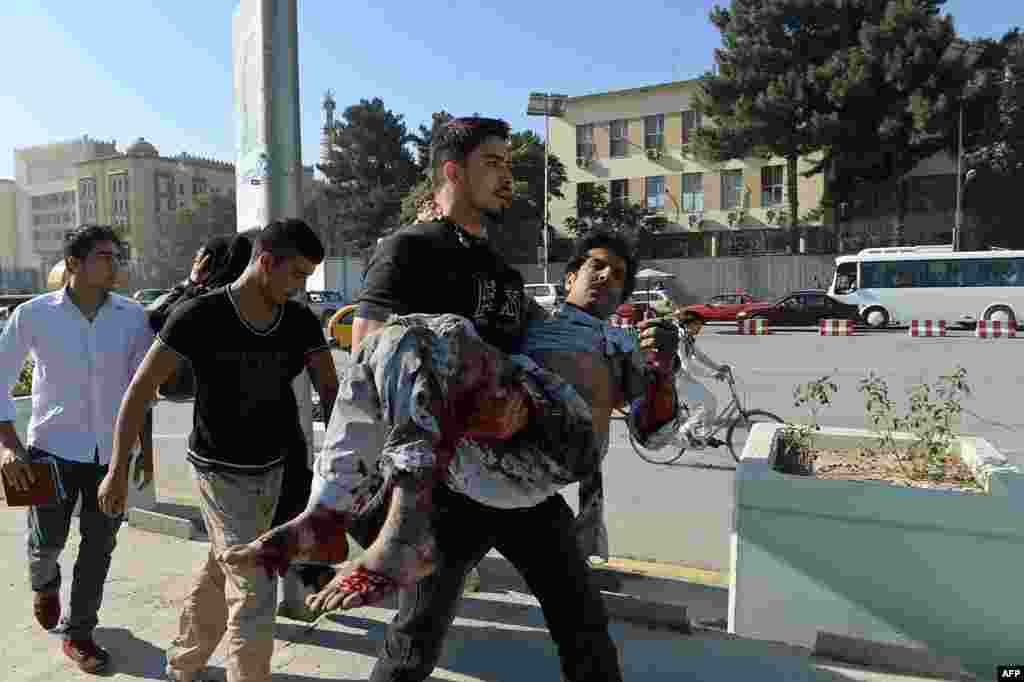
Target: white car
(549,296)
(655,298)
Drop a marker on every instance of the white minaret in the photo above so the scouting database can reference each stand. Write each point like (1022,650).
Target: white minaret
(327,132)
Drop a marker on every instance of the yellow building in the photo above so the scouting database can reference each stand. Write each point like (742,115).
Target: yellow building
(636,143)
(8,222)
(141,193)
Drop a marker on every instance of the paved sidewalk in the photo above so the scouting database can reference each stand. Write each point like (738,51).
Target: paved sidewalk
(499,634)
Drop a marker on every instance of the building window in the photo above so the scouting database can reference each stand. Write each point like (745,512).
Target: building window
(732,189)
(655,189)
(619,192)
(618,136)
(181,188)
(654,131)
(693,192)
(584,199)
(585,141)
(691,122)
(771,185)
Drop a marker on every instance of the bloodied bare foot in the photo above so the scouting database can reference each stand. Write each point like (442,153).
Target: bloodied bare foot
(403,553)
(316,534)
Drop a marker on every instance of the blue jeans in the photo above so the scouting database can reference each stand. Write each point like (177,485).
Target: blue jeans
(540,542)
(48,528)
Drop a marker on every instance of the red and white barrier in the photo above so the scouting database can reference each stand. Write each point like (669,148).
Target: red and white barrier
(837,328)
(927,328)
(995,329)
(758,327)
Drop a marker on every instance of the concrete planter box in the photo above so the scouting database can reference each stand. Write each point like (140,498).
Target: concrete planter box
(867,560)
(140,499)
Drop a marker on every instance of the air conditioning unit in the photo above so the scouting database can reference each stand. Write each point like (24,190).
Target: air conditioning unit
(583,161)
(653,153)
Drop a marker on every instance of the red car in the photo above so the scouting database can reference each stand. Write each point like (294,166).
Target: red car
(725,307)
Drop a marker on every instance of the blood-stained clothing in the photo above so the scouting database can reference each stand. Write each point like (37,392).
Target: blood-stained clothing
(388,415)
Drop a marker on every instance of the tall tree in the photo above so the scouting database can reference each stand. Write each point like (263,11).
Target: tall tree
(594,212)
(860,85)
(1001,151)
(370,167)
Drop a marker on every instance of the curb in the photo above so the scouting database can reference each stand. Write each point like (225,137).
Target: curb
(162,524)
(615,578)
(896,658)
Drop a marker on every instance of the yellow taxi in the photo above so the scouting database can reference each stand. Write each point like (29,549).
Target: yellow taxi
(340,326)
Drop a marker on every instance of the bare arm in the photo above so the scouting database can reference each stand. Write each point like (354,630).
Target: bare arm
(158,365)
(361,328)
(320,366)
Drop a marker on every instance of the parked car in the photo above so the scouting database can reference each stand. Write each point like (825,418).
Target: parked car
(803,307)
(549,296)
(324,304)
(725,307)
(339,327)
(658,299)
(147,296)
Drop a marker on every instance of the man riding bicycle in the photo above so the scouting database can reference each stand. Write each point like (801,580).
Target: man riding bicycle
(699,400)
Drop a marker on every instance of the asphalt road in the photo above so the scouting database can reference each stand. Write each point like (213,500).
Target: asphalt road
(683,514)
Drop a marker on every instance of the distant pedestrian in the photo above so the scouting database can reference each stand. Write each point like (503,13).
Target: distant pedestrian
(87,343)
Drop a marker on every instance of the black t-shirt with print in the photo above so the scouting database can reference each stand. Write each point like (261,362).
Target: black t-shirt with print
(435,268)
(245,418)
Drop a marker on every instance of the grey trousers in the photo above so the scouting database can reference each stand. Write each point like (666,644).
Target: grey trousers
(48,528)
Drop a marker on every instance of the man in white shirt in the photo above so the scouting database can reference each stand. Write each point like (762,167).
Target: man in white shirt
(87,343)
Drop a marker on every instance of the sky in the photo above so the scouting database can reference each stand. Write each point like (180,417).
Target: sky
(161,69)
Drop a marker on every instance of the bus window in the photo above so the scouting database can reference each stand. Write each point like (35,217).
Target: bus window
(846,278)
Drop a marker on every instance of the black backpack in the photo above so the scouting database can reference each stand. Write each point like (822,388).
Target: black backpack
(181,386)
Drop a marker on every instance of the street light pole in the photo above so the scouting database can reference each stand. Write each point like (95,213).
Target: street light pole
(959,178)
(546,105)
(547,173)
(967,54)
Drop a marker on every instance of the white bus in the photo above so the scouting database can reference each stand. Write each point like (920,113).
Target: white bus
(899,284)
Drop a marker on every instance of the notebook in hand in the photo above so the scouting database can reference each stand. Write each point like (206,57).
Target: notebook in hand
(42,491)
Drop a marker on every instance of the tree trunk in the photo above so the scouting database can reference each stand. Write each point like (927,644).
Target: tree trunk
(794,203)
(900,217)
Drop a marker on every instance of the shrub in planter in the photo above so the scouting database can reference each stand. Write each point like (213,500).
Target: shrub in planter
(24,385)
(932,417)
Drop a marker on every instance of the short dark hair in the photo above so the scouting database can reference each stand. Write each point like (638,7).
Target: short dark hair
(237,259)
(80,242)
(455,140)
(288,238)
(615,243)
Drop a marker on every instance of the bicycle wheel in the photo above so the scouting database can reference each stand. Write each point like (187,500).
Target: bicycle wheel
(740,428)
(666,455)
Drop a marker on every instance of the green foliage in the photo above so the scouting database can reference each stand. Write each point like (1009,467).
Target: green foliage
(932,416)
(1001,150)
(814,396)
(864,85)
(594,212)
(24,385)
(370,168)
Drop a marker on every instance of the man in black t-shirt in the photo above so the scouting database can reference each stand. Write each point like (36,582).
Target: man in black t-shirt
(442,266)
(246,342)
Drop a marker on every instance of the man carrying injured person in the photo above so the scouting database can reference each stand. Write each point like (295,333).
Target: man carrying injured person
(422,434)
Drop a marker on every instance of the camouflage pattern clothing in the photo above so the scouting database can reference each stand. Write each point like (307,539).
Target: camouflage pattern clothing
(393,413)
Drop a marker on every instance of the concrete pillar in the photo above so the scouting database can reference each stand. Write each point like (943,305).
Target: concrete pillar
(714,245)
(269,151)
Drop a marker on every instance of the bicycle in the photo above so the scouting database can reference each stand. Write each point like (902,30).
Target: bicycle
(739,421)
